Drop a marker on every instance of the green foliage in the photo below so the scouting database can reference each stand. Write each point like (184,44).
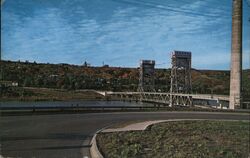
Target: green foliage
(179,139)
(14,92)
(64,76)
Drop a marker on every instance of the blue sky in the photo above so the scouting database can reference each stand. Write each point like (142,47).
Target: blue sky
(120,32)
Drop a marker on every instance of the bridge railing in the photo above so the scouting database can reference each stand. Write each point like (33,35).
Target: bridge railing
(195,96)
(167,98)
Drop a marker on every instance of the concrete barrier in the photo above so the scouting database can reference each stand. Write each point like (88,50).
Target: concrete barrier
(94,152)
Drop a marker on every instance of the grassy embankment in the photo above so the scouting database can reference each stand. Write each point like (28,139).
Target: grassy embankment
(75,77)
(180,139)
(47,94)
(68,78)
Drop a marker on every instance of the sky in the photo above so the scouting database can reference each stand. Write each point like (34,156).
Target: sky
(121,32)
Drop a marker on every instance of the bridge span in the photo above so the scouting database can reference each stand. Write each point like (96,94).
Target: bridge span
(170,99)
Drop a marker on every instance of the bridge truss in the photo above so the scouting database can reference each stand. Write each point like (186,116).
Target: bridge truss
(180,91)
(179,99)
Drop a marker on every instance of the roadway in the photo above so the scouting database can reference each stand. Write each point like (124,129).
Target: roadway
(69,135)
(194,96)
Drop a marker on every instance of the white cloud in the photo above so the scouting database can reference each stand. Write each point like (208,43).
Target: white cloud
(126,36)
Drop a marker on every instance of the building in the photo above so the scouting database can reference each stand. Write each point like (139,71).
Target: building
(8,84)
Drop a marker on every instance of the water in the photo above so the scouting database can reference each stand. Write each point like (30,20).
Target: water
(19,104)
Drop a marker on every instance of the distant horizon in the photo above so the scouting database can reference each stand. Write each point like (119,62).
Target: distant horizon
(110,66)
(121,32)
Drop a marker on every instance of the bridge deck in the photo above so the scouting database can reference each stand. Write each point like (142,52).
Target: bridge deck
(194,96)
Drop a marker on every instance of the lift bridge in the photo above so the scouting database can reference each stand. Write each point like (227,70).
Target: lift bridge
(180,93)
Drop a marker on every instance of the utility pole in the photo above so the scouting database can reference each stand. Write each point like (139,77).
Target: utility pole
(236,56)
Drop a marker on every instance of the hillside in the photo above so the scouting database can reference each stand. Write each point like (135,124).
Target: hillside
(73,77)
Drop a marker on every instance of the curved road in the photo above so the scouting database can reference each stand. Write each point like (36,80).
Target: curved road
(68,135)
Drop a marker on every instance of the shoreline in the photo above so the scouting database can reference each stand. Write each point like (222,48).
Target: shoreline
(48,94)
(47,100)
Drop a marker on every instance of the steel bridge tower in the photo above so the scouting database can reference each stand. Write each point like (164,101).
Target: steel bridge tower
(180,74)
(146,76)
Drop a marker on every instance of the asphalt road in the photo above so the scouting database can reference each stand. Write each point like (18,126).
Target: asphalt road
(69,135)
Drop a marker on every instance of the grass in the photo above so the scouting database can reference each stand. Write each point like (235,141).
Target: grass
(47,94)
(179,139)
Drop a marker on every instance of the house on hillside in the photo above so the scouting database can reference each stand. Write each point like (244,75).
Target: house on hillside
(8,84)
